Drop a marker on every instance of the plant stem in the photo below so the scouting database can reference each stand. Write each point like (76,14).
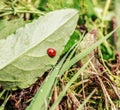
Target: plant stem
(107,5)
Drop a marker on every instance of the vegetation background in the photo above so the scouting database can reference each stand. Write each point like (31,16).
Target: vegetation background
(94,85)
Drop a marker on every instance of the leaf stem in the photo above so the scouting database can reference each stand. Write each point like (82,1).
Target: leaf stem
(22,11)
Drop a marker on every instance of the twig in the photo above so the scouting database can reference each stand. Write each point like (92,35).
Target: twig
(106,95)
(55,95)
(74,99)
(114,25)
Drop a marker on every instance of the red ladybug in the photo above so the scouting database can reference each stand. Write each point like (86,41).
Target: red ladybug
(51,52)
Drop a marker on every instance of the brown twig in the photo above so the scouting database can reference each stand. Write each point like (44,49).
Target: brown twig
(114,25)
(55,95)
(74,99)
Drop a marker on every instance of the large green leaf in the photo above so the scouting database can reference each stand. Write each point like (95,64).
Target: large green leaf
(5,26)
(23,55)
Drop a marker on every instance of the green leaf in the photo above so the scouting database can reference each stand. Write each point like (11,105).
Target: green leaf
(23,55)
(5,26)
(73,39)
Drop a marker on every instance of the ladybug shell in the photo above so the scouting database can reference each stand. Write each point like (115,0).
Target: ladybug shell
(51,52)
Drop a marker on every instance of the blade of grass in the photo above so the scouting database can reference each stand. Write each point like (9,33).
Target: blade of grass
(1,93)
(44,93)
(2,107)
(86,100)
(67,86)
(68,56)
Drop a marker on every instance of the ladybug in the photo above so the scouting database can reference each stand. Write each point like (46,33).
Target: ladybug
(51,52)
